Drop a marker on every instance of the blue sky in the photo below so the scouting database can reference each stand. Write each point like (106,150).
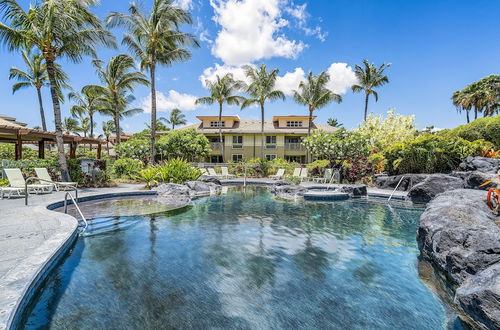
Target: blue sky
(435,48)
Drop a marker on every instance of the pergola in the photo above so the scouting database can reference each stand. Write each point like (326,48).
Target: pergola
(18,135)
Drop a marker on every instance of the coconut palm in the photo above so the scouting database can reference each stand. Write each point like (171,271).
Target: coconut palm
(333,122)
(58,29)
(118,78)
(370,77)
(71,125)
(108,127)
(176,118)
(314,94)
(482,96)
(222,90)
(155,39)
(261,89)
(87,103)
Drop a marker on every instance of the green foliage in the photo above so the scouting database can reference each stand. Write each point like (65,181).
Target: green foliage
(384,132)
(176,171)
(487,128)
(148,176)
(4,182)
(127,167)
(430,154)
(293,179)
(338,146)
(136,147)
(318,167)
(98,177)
(185,143)
(7,151)
(278,163)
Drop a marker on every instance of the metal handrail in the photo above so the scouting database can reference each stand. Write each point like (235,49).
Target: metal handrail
(34,178)
(76,206)
(397,186)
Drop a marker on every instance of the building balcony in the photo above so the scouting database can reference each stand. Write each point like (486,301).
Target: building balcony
(216,146)
(294,147)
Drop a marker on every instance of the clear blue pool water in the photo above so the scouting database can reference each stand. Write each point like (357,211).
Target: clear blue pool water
(245,261)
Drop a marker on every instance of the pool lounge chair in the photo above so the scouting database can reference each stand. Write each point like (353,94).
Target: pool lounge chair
(327,177)
(10,191)
(304,174)
(16,180)
(203,171)
(211,172)
(280,174)
(296,172)
(43,174)
(225,173)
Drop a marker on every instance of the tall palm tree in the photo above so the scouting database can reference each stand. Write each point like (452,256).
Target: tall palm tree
(482,95)
(261,89)
(314,94)
(87,103)
(58,29)
(369,78)
(222,90)
(108,127)
(176,118)
(71,125)
(462,101)
(155,39)
(118,78)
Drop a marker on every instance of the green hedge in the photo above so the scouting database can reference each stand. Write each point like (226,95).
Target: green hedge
(487,128)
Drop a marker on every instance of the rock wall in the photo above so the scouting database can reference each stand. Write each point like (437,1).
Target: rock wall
(459,235)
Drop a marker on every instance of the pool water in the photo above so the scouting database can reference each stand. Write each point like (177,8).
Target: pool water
(245,261)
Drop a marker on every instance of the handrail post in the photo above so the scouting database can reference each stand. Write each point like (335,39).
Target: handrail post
(397,186)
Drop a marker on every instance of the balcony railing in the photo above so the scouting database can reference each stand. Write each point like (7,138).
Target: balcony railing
(294,147)
(216,146)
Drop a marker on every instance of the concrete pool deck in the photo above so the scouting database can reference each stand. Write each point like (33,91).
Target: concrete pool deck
(31,236)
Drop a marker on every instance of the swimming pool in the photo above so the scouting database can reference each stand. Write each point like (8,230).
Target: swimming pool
(244,260)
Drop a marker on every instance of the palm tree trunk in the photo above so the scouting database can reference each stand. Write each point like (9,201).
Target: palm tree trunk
(475,113)
(262,130)
(366,104)
(107,145)
(153,112)
(309,127)
(220,131)
(42,113)
(117,126)
(468,120)
(57,120)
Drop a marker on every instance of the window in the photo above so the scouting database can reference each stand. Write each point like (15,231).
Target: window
(237,158)
(270,157)
(271,142)
(217,124)
(294,123)
(237,142)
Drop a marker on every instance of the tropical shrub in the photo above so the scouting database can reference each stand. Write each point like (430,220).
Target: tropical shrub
(148,176)
(7,151)
(176,171)
(137,147)
(255,167)
(97,178)
(384,132)
(185,144)
(318,167)
(4,182)
(278,163)
(487,128)
(357,169)
(430,154)
(127,167)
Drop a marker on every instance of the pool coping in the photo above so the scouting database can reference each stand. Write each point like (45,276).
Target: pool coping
(18,301)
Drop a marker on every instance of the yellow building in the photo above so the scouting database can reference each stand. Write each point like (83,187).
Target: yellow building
(241,138)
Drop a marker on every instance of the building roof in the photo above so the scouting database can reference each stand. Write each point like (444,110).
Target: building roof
(250,126)
(10,121)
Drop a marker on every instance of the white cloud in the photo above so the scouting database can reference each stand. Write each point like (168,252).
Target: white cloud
(290,81)
(221,70)
(184,4)
(299,12)
(342,77)
(251,30)
(171,101)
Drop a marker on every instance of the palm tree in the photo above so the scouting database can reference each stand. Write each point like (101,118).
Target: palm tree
(261,89)
(71,125)
(370,77)
(58,29)
(333,122)
(176,118)
(118,80)
(87,103)
(222,91)
(159,125)
(314,94)
(155,39)
(108,127)
(482,95)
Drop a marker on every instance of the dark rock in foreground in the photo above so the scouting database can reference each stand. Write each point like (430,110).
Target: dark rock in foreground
(433,185)
(458,234)
(287,191)
(408,181)
(354,190)
(481,164)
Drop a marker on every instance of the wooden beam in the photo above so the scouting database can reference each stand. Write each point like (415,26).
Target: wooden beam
(99,151)
(19,147)
(41,149)
(72,150)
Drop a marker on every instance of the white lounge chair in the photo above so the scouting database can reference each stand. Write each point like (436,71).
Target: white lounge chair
(327,177)
(212,172)
(280,174)
(43,174)
(296,172)
(16,180)
(11,191)
(225,173)
(203,171)
(304,174)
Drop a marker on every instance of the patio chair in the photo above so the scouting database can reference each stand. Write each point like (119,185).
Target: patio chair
(211,172)
(304,174)
(296,172)
(327,177)
(203,171)
(16,180)
(11,191)
(280,174)
(43,174)
(225,173)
